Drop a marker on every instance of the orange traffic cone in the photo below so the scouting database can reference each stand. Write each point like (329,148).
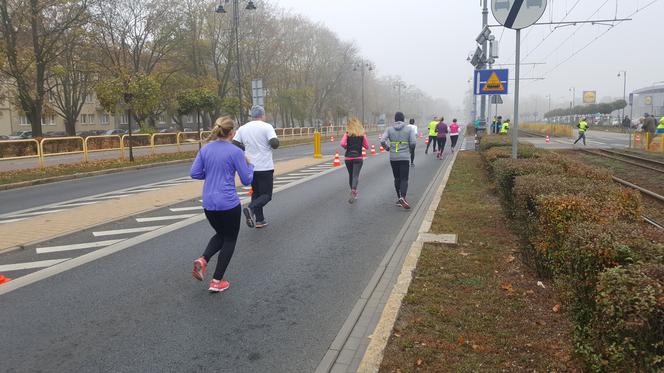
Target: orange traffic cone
(637,139)
(337,161)
(547,140)
(373,150)
(426,141)
(364,152)
(381,149)
(4,279)
(421,135)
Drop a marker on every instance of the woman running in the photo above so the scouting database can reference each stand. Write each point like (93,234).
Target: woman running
(216,163)
(400,141)
(353,141)
(441,136)
(454,133)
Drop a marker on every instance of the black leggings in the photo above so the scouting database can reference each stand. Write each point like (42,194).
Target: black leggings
(412,155)
(400,169)
(354,167)
(262,192)
(454,139)
(441,144)
(432,140)
(227,225)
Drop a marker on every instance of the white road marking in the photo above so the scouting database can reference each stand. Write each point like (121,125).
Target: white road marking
(183,209)
(78,246)
(282,182)
(162,218)
(115,196)
(11,220)
(77,204)
(126,231)
(141,190)
(29,214)
(30,265)
(289,177)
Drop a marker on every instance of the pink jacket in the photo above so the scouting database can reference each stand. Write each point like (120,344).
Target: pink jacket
(454,129)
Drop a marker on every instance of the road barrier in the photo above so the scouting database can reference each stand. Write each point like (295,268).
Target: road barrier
(553,130)
(57,143)
(87,149)
(54,146)
(11,150)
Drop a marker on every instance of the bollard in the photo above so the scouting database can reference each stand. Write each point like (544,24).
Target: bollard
(317,147)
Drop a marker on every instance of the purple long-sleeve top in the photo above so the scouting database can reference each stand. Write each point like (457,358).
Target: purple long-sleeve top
(217,163)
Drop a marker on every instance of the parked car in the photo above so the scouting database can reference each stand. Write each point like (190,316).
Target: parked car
(3,137)
(187,129)
(115,132)
(56,133)
(23,134)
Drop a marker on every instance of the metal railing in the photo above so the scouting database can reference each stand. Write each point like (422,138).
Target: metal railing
(85,145)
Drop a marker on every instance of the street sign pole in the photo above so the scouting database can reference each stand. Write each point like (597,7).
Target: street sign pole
(515,131)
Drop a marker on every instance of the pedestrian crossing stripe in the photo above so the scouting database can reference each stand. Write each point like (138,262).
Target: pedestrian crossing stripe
(494,84)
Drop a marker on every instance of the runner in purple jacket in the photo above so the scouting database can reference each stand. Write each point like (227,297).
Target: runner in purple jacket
(217,164)
(441,137)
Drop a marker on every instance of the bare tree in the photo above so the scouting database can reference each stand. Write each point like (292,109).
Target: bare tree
(33,32)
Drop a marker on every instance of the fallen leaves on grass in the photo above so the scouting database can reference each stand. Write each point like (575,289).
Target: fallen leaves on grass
(509,289)
(556,308)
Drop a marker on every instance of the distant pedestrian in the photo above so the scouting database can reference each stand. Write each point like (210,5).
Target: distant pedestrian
(399,140)
(505,127)
(441,137)
(660,127)
(353,141)
(454,133)
(627,123)
(413,127)
(649,127)
(432,135)
(259,139)
(499,124)
(217,163)
(583,127)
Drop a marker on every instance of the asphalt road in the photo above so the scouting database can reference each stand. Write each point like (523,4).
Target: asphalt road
(39,195)
(292,287)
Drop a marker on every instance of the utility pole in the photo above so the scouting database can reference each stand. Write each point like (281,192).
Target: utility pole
(236,27)
(485,46)
(624,75)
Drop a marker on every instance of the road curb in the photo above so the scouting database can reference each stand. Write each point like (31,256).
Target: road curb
(81,175)
(373,356)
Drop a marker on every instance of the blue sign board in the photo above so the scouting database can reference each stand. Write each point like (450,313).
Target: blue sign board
(491,82)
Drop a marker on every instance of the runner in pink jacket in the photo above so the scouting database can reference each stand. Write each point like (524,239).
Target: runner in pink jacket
(454,133)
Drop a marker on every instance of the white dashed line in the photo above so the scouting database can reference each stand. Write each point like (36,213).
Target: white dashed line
(78,246)
(126,231)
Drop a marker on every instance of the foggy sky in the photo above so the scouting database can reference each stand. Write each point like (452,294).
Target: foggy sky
(426,42)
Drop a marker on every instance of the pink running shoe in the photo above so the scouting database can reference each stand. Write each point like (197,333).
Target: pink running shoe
(217,286)
(199,268)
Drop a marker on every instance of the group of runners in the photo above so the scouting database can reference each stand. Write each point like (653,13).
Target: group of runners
(247,153)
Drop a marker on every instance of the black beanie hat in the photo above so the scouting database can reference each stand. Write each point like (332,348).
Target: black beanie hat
(399,117)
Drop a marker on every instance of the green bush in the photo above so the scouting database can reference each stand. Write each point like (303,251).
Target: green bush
(506,170)
(627,332)
(492,141)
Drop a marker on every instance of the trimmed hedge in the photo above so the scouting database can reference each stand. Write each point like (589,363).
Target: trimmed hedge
(586,233)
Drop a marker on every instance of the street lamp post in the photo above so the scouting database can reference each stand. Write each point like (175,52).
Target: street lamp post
(128,98)
(398,85)
(236,26)
(624,76)
(362,65)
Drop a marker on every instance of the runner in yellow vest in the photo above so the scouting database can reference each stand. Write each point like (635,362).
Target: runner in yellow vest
(504,129)
(660,128)
(432,135)
(583,127)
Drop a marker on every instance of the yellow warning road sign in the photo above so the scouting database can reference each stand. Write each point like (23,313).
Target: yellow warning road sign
(493,84)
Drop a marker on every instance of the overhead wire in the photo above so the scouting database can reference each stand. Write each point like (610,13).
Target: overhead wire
(638,10)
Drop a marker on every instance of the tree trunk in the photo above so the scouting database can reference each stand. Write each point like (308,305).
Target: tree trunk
(70,126)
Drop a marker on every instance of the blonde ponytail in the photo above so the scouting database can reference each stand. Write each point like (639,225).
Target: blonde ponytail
(223,127)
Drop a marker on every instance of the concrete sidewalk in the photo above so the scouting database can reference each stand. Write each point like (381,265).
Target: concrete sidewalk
(41,228)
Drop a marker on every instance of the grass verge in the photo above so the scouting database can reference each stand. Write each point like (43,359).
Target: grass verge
(475,307)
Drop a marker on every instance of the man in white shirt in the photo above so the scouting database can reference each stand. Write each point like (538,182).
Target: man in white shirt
(413,128)
(258,139)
